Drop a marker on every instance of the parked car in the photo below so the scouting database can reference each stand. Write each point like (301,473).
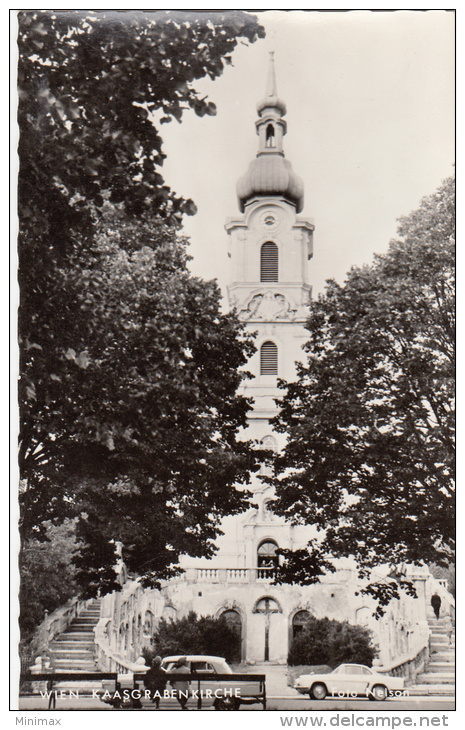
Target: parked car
(225,694)
(222,694)
(349,680)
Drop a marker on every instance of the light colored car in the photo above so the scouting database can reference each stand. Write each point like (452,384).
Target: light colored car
(223,694)
(350,680)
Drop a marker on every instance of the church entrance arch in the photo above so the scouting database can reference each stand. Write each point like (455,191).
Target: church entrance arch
(266,607)
(234,621)
(299,622)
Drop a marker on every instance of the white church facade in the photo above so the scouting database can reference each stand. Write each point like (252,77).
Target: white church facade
(270,246)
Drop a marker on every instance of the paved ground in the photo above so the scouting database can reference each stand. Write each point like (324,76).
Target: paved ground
(425,704)
(280,697)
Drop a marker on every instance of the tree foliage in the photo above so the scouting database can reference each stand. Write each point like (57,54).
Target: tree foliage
(134,425)
(197,635)
(129,371)
(370,420)
(89,85)
(330,642)
(48,576)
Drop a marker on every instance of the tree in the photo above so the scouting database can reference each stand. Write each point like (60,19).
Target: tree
(48,576)
(196,635)
(89,85)
(136,432)
(370,420)
(329,642)
(128,369)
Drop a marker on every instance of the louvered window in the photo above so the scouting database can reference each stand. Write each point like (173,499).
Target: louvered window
(269,262)
(268,359)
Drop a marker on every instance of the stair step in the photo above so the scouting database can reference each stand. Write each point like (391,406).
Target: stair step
(440,629)
(440,626)
(442,656)
(436,649)
(76,638)
(72,654)
(435,666)
(431,689)
(442,639)
(436,678)
(63,644)
(83,621)
(78,665)
(60,652)
(73,650)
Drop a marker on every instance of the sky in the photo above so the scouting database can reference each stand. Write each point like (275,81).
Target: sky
(370,115)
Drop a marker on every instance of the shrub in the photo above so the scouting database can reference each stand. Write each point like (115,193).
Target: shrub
(196,635)
(326,641)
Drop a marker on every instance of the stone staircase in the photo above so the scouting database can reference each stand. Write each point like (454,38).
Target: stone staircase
(439,677)
(73,650)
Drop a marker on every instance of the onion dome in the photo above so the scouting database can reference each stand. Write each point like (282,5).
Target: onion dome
(270,173)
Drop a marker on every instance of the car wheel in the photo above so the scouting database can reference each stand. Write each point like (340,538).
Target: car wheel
(318,691)
(379,692)
(227,703)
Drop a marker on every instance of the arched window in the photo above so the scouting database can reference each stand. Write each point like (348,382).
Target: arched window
(270,141)
(269,262)
(268,359)
(299,622)
(267,554)
(268,443)
(148,622)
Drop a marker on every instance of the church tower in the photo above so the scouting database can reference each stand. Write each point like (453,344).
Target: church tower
(269,248)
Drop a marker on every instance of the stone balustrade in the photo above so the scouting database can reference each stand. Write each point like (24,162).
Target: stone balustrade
(229,575)
(411,664)
(109,660)
(56,623)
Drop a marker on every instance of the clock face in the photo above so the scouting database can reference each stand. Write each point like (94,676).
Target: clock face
(270,220)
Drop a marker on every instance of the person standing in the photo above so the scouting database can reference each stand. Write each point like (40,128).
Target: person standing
(436,604)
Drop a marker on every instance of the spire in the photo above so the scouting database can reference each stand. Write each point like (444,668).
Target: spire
(271,89)
(270,174)
(271,100)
